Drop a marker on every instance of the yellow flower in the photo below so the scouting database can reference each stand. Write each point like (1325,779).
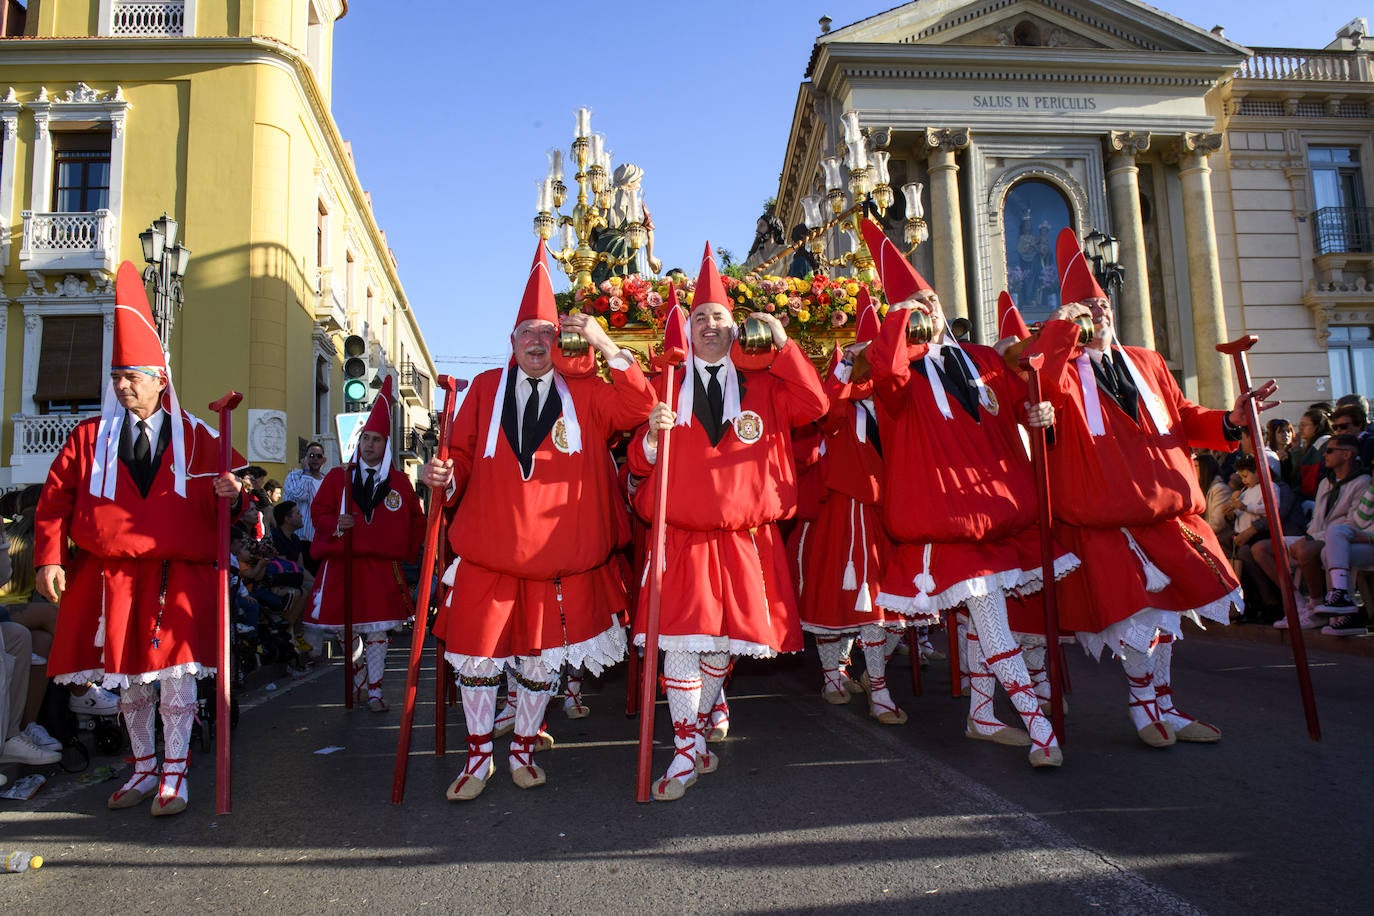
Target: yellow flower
(780,299)
(602,321)
(804,316)
(852,289)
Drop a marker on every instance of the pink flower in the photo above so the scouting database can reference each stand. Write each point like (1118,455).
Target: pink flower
(784,319)
(616,304)
(769,307)
(838,319)
(606,287)
(654,301)
(794,304)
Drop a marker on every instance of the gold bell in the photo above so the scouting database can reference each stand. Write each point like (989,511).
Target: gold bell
(1085,329)
(754,336)
(920,327)
(571,342)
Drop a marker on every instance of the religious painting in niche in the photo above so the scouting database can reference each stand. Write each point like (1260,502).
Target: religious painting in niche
(1034,211)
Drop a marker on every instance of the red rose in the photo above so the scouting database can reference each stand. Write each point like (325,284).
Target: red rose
(601,304)
(617,319)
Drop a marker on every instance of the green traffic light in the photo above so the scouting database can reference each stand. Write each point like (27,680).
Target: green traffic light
(355,390)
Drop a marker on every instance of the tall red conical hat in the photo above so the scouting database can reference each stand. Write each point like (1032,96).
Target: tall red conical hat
(901,281)
(538,303)
(1076,281)
(1009,320)
(379,420)
(709,286)
(136,344)
(867,329)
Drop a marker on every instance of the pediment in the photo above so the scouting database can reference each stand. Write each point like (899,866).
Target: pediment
(1111,24)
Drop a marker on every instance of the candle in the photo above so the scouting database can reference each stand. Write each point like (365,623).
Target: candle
(912,192)
(858,156)
(597,141)
(833,178)
(636,207)
(850,120)
(811,211)
(545,202)
(555,165)
(569,238)
(880,158)
(584,121)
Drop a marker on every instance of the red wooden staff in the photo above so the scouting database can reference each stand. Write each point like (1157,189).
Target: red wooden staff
(674,352)
(1054,661)
(347,580)
(223,796)
(1236,350)
(451,388)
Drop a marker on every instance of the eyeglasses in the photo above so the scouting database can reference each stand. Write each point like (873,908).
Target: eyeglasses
(1342,425)
(315,455)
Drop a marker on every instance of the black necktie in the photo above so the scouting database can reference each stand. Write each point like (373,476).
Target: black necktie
(871,430)
(530,419)
(143,452)
(715,397)
(371,483)
(956,383)
(1109,374)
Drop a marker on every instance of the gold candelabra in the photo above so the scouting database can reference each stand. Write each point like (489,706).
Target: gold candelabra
(869,187)
(595,198)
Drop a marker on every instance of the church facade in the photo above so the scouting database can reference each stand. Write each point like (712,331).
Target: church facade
(1231,176)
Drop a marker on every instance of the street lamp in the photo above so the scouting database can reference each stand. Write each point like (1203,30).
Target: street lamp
(167,260)
(1101,249)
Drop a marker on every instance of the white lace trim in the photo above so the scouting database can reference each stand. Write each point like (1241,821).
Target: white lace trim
(1033,578)
(379,626)
(1138,631)
(603,650)
(955,595)
(119,681)
(854,628)
(701,643)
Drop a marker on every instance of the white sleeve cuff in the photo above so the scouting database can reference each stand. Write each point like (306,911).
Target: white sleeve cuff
(622,360)
(650,451)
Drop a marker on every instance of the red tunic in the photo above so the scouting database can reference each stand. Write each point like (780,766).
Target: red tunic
(842,554)
(958,494)
(138,558)
(1132,480)
(726,585)
(534,573)
(392,536)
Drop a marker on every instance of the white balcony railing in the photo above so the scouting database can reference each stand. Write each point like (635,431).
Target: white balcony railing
(43,435)
(68,241)
(159,19)
(329,303)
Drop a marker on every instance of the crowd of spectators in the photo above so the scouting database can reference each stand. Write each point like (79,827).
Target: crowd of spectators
(1322,488)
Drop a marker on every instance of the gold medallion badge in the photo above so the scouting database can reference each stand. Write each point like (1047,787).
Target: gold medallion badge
(560,436)
(749,426)
(988,399)
(392,501)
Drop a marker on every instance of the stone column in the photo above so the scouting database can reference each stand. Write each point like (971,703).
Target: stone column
(1216,388)
(1133,313)
(947,235)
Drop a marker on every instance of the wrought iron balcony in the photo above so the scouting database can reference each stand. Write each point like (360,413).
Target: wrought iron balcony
(66,242)
(1342,230)
(148,19)
(414,384)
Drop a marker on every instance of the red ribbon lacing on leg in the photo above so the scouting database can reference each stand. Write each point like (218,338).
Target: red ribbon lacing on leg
(178,777)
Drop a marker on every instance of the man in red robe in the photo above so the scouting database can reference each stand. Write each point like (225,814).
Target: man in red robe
(726,585)
(958,494)
(842,552)
(1126,499)
(135,490)
(539,515)
(367,522)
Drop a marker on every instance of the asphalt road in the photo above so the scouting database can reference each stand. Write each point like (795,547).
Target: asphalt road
(815,808)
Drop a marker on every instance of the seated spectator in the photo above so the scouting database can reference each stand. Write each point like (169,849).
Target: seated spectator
(1350,419)
(1302,465)
(245,606)
(1348,548)
(1218,495)
(18,744)
(256,508)
(1337,495)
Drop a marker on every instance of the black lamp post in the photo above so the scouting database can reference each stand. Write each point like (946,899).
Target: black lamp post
(167,260)
(1101,250)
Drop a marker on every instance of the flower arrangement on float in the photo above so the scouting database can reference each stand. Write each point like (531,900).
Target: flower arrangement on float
(804,305)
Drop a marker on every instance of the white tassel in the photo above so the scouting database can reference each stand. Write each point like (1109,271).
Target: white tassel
(1155,579)
(864,603)
(925,583)
(851,580)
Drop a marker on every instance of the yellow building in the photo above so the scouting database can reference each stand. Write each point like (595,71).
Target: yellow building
(216,112)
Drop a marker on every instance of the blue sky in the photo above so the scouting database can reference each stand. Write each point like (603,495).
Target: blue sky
(451,106)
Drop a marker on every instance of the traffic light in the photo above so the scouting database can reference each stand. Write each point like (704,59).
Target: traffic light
(360,376)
